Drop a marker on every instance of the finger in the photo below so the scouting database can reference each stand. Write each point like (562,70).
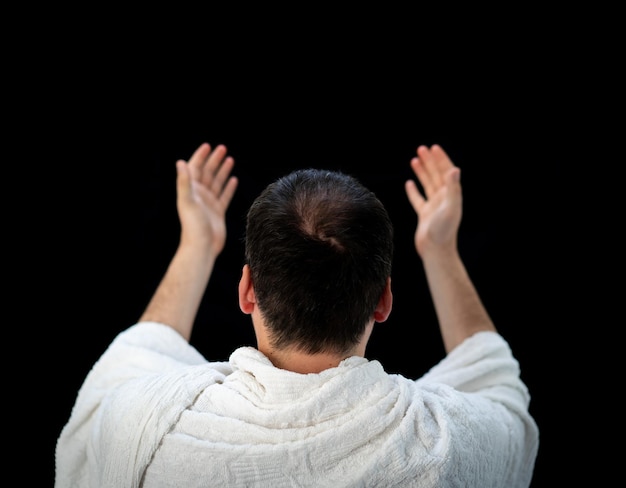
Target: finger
(429,177)
(440,160)
(213,163)
(223,172)
(198,159)
(415,197)
(183,181)
(417,165)
(229,191)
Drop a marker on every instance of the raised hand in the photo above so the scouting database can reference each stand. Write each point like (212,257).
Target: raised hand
(205,188)
(439,209)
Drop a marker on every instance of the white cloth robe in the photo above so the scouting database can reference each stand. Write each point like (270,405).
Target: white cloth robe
(154,412)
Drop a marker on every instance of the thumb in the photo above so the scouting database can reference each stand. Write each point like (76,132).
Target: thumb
(454,176)
(453,182)
(183,181)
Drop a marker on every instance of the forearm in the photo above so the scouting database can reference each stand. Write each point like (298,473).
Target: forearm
(458,306)
(179,294)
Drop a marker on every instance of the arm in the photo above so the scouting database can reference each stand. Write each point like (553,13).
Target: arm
(204,190)
(459,309)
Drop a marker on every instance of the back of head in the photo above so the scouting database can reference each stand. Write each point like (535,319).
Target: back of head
(320,247)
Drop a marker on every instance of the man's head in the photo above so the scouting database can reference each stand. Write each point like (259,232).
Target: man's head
(319,246)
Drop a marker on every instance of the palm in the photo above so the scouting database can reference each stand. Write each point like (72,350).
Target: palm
(438,220)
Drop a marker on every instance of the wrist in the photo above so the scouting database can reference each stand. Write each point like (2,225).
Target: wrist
(202,249)
(438,253)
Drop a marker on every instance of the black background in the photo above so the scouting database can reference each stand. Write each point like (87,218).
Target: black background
(122,227)
(106,142)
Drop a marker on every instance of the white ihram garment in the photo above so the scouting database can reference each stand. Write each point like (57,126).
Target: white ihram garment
(153,412)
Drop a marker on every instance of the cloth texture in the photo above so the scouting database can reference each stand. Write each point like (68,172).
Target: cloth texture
(154,412)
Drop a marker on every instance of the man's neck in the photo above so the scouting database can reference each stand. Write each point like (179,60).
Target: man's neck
(302,362)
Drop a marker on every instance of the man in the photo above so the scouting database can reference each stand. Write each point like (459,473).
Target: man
(305,407)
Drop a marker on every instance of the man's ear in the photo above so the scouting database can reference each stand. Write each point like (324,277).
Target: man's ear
(247,299)
(383,309)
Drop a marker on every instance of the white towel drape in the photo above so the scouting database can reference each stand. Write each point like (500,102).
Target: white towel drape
(153,410)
